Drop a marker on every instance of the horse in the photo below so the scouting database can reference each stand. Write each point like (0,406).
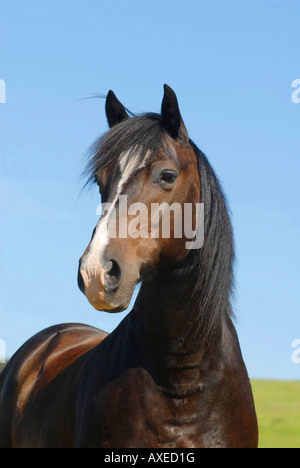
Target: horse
(171,375)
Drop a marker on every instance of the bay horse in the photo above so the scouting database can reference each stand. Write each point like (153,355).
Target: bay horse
(171,375)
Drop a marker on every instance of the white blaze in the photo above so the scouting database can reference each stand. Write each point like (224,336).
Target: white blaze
(129,163)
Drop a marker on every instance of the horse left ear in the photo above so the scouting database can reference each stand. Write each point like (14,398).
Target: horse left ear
(171,117)
(115,111)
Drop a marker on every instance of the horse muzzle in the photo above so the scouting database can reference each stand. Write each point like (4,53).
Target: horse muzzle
(101,285)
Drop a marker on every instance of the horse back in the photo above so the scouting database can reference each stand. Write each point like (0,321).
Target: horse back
(34,370)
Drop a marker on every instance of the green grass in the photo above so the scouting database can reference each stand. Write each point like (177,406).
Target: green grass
(278,412)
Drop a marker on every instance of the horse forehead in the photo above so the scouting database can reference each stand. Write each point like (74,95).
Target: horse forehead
(169,151)
(131,160)
(137,158)
(182,156)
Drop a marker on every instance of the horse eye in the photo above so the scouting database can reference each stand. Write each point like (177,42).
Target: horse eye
(168,177)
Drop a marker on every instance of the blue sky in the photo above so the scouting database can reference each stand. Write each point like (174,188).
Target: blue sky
(232,65)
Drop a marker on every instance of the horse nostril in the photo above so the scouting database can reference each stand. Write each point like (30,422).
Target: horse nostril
(113,276)
(80,281)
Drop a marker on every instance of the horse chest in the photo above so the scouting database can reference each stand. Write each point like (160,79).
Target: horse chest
(133,413)
(147,421)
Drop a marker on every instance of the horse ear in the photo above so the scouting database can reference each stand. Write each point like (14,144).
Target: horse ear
(115,111)
(171,117)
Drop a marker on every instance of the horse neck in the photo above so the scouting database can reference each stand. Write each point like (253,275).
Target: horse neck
(184,309)
(173,337)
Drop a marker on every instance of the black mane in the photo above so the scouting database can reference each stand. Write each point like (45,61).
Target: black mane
(213,263)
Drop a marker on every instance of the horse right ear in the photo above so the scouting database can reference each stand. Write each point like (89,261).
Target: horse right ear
(171,117)
(115,111)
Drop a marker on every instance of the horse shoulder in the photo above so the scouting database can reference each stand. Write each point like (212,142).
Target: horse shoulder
(37,363)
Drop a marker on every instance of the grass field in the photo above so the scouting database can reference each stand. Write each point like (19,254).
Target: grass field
(278,411)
